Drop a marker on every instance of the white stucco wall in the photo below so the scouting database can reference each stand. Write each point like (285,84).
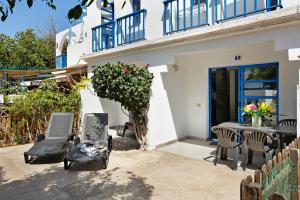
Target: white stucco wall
(60,38)
(91,103)
(154,23)
(179,101)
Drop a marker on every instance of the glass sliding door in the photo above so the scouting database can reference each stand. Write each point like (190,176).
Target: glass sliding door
(257,84)
(223,96)
(231,88)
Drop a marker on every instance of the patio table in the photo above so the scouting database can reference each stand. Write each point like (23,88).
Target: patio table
(281,131)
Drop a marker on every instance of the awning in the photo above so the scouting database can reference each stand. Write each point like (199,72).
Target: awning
(80,68)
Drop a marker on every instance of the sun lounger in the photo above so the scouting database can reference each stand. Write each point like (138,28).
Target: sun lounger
(55,140)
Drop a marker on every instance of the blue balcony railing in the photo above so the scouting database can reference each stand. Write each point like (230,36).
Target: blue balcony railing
(103,36)
(229,9)
(61,61)
(131,28)
(181,15)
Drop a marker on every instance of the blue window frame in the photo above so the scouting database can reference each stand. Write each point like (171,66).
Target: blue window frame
(136,5)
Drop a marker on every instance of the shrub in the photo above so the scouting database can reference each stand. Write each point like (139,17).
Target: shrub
(129,85)
(31,111)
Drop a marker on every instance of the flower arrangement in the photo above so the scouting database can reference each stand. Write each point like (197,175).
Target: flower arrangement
(259,110)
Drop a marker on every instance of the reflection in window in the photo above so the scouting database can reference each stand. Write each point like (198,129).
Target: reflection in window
(261,73)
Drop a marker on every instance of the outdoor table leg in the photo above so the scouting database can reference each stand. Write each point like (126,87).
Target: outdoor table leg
(281,141)
(223,153)
(250,156)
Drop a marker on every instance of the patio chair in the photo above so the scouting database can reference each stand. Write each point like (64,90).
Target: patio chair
(227,139)
(287,139)
(55,140)
(266,122)
(121,129)
(257,140)
(95,137)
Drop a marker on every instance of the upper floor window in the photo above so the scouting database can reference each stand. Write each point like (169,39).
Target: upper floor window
(136,5)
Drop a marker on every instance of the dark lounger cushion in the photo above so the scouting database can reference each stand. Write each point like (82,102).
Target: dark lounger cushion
(48,148)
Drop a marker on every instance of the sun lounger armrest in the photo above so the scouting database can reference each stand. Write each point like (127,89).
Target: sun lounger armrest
(74,139)
(40,137)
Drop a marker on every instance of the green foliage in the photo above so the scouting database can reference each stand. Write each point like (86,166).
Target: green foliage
(27,50)
(74,13)
(8,7)
(129,85)
(35,107)
(124,83)
(6,88)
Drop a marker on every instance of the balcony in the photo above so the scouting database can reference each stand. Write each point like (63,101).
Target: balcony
(131,28)
(103,36)
(180,15)
(61,61)
(229,9)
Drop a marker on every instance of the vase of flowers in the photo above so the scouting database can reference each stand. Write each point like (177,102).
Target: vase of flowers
(257,112)
(256,121)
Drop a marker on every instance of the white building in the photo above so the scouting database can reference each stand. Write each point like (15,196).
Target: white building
(209,58)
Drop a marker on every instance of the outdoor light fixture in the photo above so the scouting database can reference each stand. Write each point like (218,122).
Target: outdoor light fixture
(175,67)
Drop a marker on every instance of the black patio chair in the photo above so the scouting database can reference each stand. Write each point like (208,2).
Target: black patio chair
(55,140)
(287,139)
(94,134)
(227,139)
(257,140)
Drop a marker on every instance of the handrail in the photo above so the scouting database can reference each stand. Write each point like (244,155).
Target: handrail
(168,1)
(102,25)
(131,14)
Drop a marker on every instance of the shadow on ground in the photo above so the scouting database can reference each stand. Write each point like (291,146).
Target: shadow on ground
(257,161)
(2,175)
(125,143)
(56,183)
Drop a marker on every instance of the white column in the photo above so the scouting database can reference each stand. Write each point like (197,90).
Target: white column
(161,127)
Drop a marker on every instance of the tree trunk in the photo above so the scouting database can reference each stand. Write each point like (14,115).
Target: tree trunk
(140,123)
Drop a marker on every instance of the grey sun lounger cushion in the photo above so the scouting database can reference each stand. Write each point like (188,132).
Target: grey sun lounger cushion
(94,130)
(48,148)
(95,127)
(59,129)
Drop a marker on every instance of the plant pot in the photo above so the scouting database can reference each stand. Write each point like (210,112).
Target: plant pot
(256,121)
(83,83)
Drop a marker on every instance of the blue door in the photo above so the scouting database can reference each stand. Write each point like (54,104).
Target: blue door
(231,88)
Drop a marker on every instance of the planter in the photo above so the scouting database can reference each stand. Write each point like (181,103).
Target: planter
(256,121)
(83,83)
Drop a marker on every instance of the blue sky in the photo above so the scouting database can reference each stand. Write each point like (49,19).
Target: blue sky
(37,16)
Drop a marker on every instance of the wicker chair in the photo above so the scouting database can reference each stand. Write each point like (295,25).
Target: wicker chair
(227,139)
(288,122)
(256,140)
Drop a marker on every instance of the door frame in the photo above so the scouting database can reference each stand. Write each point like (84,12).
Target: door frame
(240,68)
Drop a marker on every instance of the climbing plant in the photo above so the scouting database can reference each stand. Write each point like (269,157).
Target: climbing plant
(129,85)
